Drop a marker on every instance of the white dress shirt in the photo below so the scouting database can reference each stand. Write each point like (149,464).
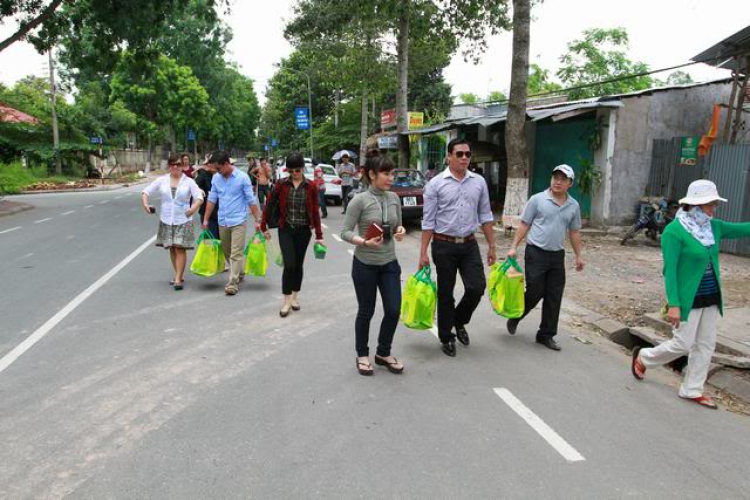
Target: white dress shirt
(174,210)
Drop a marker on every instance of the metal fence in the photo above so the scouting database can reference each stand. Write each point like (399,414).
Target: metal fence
(727,165)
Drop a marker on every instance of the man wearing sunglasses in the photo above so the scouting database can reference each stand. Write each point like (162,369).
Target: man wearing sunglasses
(456,202)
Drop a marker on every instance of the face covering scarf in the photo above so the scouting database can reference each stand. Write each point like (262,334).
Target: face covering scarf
(696,222)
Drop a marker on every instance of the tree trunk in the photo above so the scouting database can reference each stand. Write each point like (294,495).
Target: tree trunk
(517,188)
(363,129)
(402,105)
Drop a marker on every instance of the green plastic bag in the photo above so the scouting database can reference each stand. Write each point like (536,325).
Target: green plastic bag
(506,289)
(320,251)
(209,258)
(256,256)
(419,301)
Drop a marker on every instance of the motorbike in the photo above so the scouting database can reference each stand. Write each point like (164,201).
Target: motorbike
(654,218)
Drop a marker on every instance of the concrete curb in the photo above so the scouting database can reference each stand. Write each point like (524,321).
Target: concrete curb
(729,371)
(98,189)
(19,207)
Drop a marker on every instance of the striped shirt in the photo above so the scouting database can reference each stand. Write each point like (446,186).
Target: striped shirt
(708,290)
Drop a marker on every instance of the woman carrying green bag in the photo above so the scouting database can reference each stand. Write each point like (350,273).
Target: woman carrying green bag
(376,212)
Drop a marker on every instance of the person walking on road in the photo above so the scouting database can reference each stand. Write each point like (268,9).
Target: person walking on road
(203,178)
(298,213)
(692,276)
(187,169)
(320,181)
(262,173)
(547,217)
(175,217)
(456,202)
(233,192)
(375,266)
(346,171)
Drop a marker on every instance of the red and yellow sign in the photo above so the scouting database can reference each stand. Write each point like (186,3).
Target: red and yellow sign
(416,120)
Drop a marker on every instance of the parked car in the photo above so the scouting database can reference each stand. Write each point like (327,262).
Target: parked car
(282,173)
(333,183)
(409,185)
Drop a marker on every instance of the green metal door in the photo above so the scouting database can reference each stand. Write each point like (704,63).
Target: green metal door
(562,142)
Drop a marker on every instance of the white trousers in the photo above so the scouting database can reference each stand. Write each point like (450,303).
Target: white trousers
(695,338)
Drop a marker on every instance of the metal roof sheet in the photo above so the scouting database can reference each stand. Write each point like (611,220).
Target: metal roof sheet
(721,55)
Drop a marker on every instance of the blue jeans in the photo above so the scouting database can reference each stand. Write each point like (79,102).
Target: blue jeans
(367,281)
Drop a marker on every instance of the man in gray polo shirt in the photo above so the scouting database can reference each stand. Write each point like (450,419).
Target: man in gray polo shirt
(546,218)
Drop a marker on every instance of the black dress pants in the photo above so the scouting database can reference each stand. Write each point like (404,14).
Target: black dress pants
(368,279)
(545,280)
(450,259)
(293,242)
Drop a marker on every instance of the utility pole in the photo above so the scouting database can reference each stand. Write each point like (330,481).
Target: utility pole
(55,131)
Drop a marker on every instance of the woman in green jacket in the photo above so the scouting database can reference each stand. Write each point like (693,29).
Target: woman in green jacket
(690,247)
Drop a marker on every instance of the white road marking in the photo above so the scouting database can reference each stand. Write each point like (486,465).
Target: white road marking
(553,438)
(337,237)
(68,212)
(87,206)
(27,255)
(118,197)
(43,330)
(323,226)
(103,202)
(11,229)
(70,236)
(434,331)
(351,252)
(42,220)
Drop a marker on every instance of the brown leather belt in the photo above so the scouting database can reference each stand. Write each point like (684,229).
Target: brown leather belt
(453,239)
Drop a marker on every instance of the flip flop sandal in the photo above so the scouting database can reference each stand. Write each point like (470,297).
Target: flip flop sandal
(704,401)
(367,371)
(636,365)
(391,366)
(179,286)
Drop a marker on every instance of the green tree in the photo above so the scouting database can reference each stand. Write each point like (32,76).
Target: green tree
(679,78)
(497,96)
(540,82)
(601,55)
(468,98)
(163,95)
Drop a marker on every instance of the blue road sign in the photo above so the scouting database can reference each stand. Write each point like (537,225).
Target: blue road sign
(265,147)
(191,135)
(302,118)
(274,143)
(95,140)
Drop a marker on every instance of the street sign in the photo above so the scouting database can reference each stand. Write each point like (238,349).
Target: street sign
(689,150)
(191,135)
(274,143)
(95,140)
(416,120)
(302,118)
(265,147)
(388,118)
(388,142)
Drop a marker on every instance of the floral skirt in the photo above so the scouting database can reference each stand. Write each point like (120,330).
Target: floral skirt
(180,236)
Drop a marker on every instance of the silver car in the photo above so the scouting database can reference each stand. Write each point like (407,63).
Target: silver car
(333,183)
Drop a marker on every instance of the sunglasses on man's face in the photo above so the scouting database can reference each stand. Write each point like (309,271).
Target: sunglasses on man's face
(462,154)
(295,170)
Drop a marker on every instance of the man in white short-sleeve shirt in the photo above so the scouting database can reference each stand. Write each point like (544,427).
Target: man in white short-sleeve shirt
(547,217)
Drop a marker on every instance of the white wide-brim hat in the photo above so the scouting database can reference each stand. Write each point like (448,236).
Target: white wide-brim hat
(701,192)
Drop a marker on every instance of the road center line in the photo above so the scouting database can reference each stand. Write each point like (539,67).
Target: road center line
(337,237)
(68,212)
(103,202)
(11,229)
(553,438)
(43,330)
(42,220)
(323,226)
(87,206)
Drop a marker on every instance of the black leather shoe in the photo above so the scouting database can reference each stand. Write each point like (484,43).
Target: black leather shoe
(449,348)
(549,343)
(513,326)
(462,335)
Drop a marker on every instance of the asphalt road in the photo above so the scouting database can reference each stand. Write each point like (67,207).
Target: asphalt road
(144,392)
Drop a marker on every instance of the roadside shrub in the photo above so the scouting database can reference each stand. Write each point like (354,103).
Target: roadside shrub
(14,177)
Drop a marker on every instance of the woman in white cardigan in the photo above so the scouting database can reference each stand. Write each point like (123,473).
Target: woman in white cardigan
(177,191)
